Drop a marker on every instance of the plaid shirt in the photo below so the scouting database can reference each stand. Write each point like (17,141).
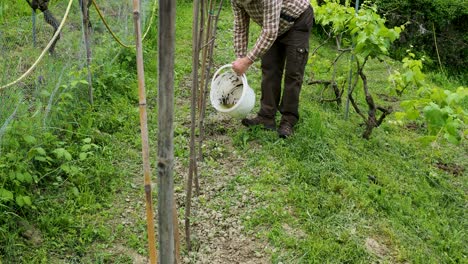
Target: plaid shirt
(265,13)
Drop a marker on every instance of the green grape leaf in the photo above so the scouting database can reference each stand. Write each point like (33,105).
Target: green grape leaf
(408,104)
(400,116)
(412,114)
(452,139)
(438,96)
(435,117)
(452,126)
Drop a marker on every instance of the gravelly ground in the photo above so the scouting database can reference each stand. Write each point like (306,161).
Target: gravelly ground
(218,235)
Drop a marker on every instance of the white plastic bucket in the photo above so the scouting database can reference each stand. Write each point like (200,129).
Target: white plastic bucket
(231,94)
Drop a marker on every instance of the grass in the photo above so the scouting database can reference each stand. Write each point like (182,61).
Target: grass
(79,211)
(328,196)
(339,190)
(324,195)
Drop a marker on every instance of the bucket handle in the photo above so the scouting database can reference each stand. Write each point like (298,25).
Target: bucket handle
(243,77)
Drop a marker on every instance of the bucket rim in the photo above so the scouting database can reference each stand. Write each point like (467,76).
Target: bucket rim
(244,89)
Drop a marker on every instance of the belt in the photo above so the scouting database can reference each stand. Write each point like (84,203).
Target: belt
(287,17)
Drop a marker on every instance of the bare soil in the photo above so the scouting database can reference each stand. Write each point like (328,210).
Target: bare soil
(453,169)
(217,232)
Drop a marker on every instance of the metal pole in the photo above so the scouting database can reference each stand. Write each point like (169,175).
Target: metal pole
(166,43)
(350,78)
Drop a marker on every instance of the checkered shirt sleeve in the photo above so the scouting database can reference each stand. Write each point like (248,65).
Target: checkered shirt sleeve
(266,13)
(241,30)
(270,28)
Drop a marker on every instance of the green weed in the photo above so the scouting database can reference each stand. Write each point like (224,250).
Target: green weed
(321,196)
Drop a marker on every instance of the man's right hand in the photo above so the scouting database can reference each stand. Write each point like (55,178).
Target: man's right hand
(241,65)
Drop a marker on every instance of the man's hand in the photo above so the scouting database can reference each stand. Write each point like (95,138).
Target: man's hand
(241,65)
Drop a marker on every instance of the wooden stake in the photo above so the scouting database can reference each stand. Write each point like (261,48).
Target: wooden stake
(144,133)
(193,159)
(204,73)
(166,44)
(176,235)
(204,49)
(85,11)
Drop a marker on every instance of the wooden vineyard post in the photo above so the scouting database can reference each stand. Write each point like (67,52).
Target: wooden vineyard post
(84,4)
(144,132)
(193,159)
(166,48)
(204,73)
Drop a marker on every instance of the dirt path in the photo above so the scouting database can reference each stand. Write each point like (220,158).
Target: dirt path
(218,235)
(217,232)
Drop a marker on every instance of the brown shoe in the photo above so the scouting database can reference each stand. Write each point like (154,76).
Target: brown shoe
(285,130)
(267,123)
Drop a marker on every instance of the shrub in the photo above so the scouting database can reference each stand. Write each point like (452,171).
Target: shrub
(448,19)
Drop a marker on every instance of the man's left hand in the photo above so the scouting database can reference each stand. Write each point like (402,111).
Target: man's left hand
(241,65)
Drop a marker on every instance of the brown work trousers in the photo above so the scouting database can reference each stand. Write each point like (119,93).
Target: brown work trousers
(288,55)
